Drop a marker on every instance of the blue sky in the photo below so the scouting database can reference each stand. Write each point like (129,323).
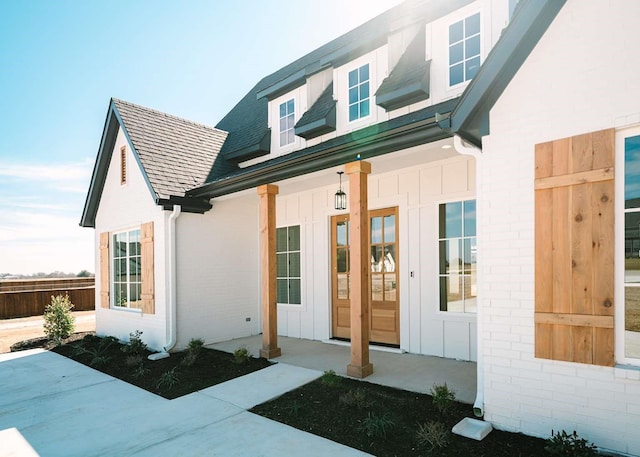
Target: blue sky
(62,60)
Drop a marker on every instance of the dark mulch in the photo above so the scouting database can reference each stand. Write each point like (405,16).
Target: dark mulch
(317,408)
(210,367)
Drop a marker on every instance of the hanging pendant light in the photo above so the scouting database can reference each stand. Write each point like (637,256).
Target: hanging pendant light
(340,197)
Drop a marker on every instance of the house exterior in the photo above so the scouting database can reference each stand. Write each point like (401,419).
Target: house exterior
(488,152)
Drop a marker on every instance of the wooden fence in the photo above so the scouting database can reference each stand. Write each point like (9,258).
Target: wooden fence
(29,297)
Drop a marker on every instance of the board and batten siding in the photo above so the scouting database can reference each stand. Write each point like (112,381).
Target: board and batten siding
(416,191)
(574,232)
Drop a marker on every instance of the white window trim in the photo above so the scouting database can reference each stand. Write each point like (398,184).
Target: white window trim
(619,243)
(462,17)
(285,102)
(371,92)
(112,293)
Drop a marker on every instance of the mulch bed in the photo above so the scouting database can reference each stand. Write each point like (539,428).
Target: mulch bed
(170,378)
(330,411)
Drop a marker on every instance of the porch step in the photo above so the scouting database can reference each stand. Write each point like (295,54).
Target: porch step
(472,428)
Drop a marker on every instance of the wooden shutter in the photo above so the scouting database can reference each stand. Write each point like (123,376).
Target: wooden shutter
(574,245)
(104,270)
(148,281)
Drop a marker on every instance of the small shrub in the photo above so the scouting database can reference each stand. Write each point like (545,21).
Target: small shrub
(140,371)
(357,398)
(293,409)
(58,321)
(562,443)
(167,380)
(241,355)
(133,360)
(135,344)
(442,397)
(99,360)
(436,434)
(330,378)
(375,426)
(78,349)
(193,350)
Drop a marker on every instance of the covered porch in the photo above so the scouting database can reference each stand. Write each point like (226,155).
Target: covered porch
(417,373)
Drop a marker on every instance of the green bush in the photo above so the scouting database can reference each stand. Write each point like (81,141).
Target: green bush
(442,397)
(193,350)
(58,321)
(562,443)
(375,426)
(241,355)
(330,378)
(357,398)
(135,346)
(168,380)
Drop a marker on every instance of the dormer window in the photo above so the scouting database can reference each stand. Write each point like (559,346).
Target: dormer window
(359,93)
(464,49)
(287,115)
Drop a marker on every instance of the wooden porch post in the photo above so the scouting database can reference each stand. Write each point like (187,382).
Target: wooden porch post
(267,195)
(359,258)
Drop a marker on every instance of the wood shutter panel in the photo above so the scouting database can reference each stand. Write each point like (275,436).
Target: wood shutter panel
(574,246)
(148,281)
(104,270)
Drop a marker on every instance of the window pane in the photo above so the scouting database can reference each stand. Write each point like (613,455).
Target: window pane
(453,256)
(282,291)
(294,238)
(390,287)
(343,286)
(281,239)
(341,233)
(295,295)
(470,218)
(456,53)
(376,259)
(283,109)
(283,138)
(451,220)
(290,121)
(353,95)
(632,172)
(472,25)
(451,294)
(123,270)
(470,294)
(364,91)
(342,260)
(456,74)
(390,258)
(353,112)
(377,293)
(376,230)
(121,295)
(472,47)
(282,268)
(389,229)
(290,136)
(364,108)
(134,266)
(134,292)
(470,251)
(455,32)
(472,67)
(364,73)
(294,265)
(353,78)
(632,247)
(290,109)
(632,321)
(283,124)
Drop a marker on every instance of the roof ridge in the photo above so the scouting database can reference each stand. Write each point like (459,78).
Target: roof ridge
(172,116)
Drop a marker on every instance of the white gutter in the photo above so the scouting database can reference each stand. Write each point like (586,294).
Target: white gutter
(172,296)
(465,148)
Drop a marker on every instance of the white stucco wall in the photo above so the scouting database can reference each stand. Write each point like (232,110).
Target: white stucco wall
(581,77)
(218,276)
(124,207)
(417,191)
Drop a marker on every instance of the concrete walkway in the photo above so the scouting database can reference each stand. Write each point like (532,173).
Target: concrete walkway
(53,406)
(417,373)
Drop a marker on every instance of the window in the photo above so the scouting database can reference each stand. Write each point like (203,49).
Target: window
(464,49)
(458,268)
(123,165)
(632,246)
(287,114)
(359,93)
(127,279)
(288,265)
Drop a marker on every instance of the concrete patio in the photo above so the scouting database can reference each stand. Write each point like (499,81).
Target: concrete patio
(417,373)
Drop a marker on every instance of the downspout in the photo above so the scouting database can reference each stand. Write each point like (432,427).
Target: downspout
(172,296)
(465,148)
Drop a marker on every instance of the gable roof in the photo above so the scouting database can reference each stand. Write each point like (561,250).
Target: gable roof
(173,154)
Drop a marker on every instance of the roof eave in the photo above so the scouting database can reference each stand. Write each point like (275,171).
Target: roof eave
(470,118)
(318,127)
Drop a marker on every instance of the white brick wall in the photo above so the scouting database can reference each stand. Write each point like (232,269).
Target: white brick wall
(581,77)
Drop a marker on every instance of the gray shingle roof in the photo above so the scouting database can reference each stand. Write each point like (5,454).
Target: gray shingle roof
(176,154)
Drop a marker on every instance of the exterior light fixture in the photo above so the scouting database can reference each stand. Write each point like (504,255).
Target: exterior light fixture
(340,197)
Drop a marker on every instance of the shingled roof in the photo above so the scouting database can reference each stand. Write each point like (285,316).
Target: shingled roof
(174,154)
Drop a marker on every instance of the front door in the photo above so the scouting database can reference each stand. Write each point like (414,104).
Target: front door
(383,303)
